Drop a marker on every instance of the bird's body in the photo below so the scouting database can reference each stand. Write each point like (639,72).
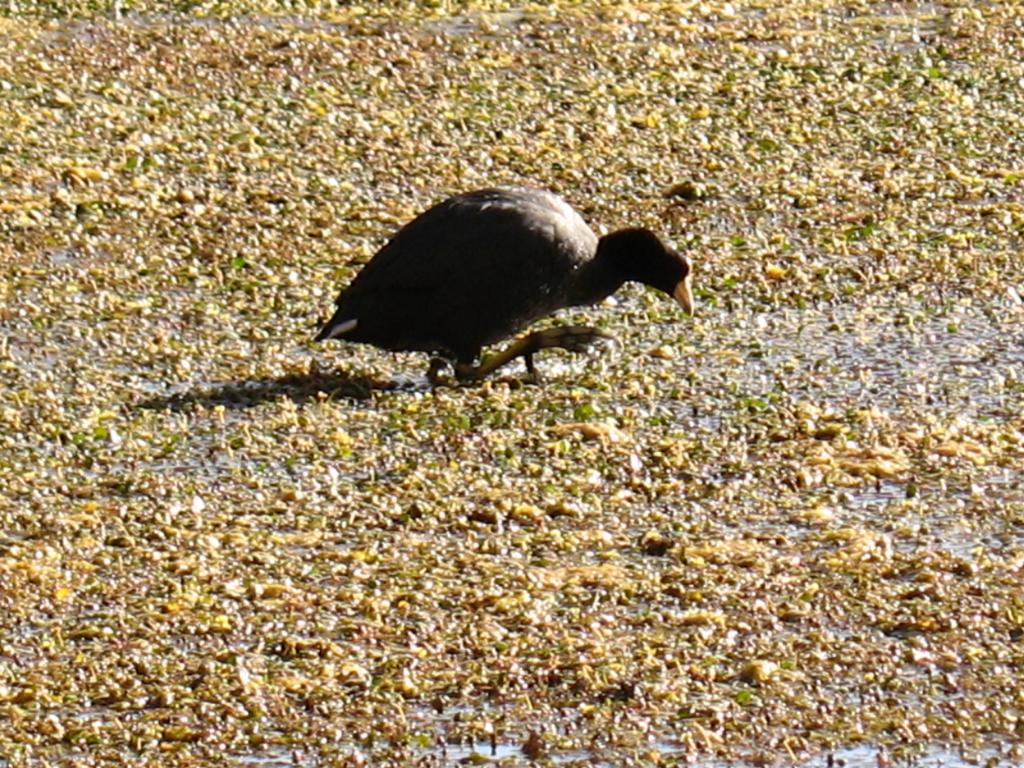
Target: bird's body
(480,266)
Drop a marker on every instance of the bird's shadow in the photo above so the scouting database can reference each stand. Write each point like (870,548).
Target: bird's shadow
(248,393)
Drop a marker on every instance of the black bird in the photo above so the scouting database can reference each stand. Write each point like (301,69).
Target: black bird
(480,266)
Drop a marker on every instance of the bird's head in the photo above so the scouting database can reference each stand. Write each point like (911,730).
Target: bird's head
(639,255)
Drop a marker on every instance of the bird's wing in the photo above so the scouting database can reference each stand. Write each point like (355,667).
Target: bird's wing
(462,245)
(413,256)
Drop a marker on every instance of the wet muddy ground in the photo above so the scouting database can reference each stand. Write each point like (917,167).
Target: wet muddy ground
(788,530)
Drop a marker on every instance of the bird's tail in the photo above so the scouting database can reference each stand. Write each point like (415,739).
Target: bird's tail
(335,328)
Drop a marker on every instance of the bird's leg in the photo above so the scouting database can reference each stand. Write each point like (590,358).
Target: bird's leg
(532,374)
(467,372)
(575,338)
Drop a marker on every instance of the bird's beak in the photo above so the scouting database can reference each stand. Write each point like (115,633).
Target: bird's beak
(684,295)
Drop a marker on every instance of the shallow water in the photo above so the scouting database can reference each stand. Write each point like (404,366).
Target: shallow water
(255,440)
(860,756)
(952,358)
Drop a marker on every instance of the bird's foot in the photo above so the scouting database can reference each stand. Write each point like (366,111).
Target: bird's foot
(435,373)
(575,338)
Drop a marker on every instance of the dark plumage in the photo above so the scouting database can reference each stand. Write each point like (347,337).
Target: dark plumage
(483,265)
